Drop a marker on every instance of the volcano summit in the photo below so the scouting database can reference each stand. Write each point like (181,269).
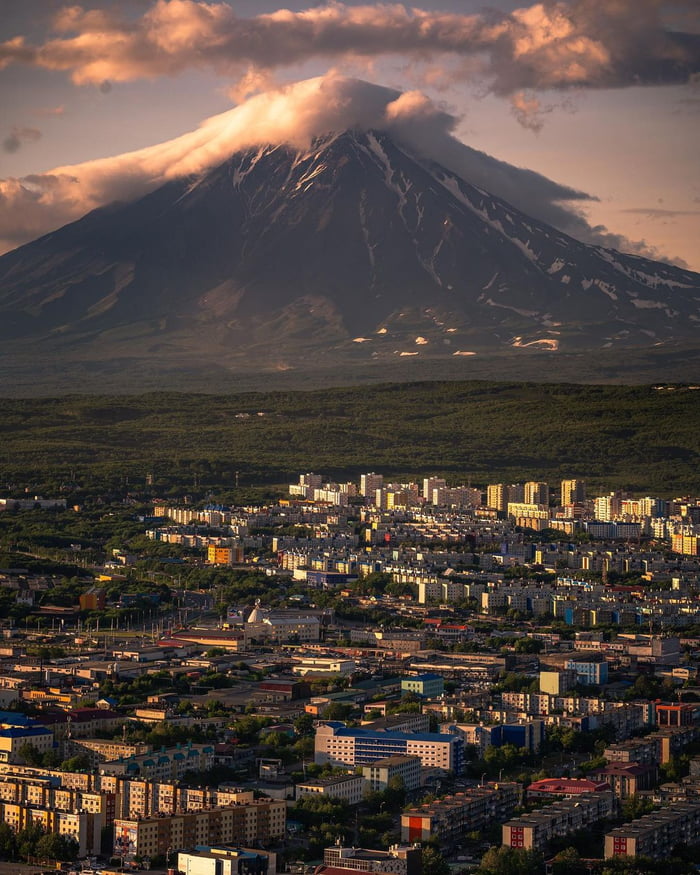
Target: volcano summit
(353,250)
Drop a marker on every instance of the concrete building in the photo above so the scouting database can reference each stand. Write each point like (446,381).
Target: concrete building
(347,788)
(564,788)
(656,834)
(370,483)
(380,773)
(572,492)
(535,830)
(164,765)
(226,861)
(449,818)
(397,860)
(12,740)
(589,671)
(427,686)
(536,492)
(626,779)
(259,822)
(556,683)
(343,746)
(85,827)
(309,665)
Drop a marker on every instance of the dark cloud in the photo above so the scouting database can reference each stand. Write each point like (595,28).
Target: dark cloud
(656,213)
(17,137)
(552,44)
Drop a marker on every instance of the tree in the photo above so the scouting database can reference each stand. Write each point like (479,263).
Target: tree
(511,861)
(568,862)
(636,806)
(31,755)
(8,842)
(433,862)
(56,847)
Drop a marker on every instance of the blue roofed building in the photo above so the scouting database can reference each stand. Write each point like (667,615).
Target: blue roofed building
(340,745)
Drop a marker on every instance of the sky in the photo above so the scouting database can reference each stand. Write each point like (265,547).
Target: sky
(600,98)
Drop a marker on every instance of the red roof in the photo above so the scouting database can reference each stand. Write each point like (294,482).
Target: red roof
(567,786)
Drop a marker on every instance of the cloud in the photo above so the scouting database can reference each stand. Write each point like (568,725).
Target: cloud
(529,111)
(294,115)
(14,141)
(656,213)
(553,44)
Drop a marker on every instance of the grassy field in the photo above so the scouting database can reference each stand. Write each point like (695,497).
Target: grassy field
(641,438)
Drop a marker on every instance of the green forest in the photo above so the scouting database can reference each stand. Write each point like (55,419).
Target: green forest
(641,438)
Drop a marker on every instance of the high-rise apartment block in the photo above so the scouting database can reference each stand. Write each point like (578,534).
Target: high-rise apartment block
(431,483)
(369,483)
(497,496)
(572,492)
(536,492)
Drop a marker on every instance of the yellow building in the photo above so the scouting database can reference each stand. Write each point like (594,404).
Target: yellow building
(224,555)
(686,544)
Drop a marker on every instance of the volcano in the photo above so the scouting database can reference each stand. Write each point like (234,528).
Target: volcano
(353,250)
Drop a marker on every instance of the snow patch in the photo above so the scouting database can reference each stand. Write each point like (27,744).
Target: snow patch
(493,303)
(556,266)
(490,282)
(543,343)
(642,304)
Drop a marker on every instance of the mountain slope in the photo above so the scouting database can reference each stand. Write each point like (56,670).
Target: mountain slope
(352,250)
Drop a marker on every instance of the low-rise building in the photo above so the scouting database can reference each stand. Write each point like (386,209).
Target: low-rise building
(449,818)
(378,775)
(656,834)
(13,739)
(226,861)
(535,830)
(348,788)
(564,788)
(427,686)
(397,860)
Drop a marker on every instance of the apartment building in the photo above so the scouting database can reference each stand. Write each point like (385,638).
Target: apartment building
(83,826)
(449,818)
(424,685)
(656,834)
(347,788)
(12,741)
(378,775)
(164,765)
(535,830)
(256,823)
(343,746)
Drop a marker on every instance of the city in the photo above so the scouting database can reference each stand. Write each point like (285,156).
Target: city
(386,676)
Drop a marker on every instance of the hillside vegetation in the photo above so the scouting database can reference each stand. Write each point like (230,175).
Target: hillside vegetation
(641,438)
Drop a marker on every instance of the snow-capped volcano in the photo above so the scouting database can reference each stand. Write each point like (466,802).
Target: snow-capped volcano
(353,249)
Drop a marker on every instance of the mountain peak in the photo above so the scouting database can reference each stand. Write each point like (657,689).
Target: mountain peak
(353,249)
